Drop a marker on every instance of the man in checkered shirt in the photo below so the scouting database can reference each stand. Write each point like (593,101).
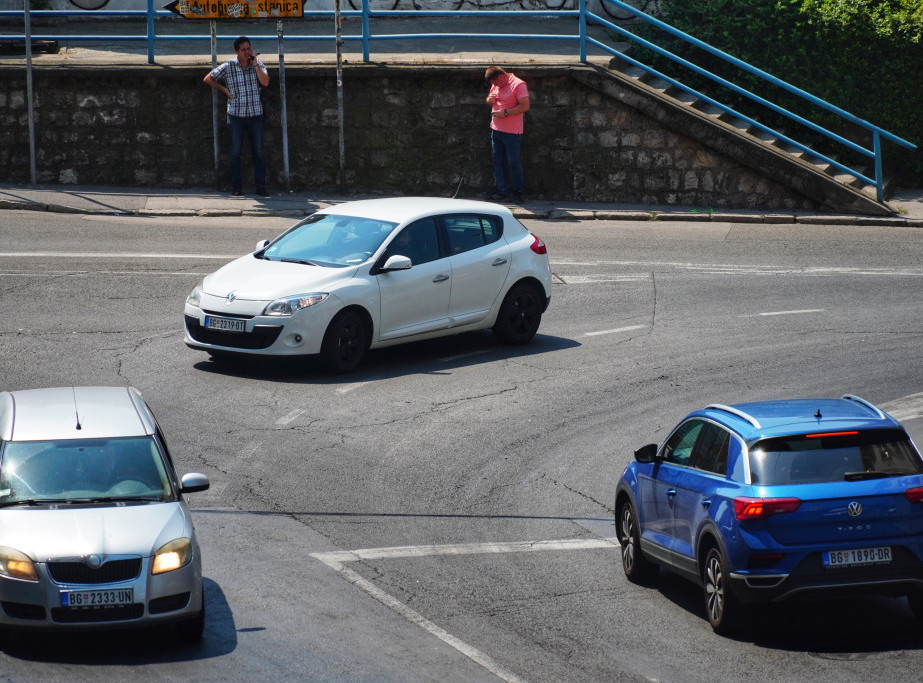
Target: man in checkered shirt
(242,80)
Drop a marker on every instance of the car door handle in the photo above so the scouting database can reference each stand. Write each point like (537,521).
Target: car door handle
(441,278)
(706,502)
(671,493)
(498,262)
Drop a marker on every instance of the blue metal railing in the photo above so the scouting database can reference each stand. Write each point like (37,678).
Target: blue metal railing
(582,40)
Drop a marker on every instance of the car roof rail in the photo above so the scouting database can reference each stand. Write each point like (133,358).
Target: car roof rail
(867,404)
(735,411)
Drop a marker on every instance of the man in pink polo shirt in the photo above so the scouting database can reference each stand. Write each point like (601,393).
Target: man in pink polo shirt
(508,100)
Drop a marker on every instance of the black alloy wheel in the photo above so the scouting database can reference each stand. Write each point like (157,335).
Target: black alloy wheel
(345,342)
(520,315)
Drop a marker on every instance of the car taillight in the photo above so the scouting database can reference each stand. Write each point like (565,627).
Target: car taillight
(761,508)
(538,246)
(914,495)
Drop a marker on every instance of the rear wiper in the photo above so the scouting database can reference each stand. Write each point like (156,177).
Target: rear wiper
(862,476)
(303,262)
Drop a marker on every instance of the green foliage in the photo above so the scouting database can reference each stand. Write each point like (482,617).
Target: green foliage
(864,56)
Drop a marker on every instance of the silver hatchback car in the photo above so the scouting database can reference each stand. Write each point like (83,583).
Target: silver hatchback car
(94,531)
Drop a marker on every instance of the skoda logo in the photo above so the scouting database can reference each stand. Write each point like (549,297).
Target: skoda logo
(232,295)
(94,561)
(854,508)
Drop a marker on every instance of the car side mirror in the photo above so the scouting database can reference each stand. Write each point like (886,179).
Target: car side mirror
(261,245)
(647,453)
(397,262)
(193,482)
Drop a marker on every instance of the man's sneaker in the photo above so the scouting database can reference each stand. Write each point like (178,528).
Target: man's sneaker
(498,197)
(517,198)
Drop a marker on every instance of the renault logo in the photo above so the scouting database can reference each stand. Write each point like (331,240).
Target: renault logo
(854,508)
(232,295)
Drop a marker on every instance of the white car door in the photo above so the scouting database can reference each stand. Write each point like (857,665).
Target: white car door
(480,265)
(416,300)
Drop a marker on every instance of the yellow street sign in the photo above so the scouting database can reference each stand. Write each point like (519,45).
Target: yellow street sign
(236,9)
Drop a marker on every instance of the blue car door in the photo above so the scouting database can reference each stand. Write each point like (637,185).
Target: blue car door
(658,491)
(694,491)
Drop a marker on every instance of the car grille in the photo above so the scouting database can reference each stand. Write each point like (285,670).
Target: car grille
(171,603)
(263,336)
(110,572)
(82,615)
(22,610)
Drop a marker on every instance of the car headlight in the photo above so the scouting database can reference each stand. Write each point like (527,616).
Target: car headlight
(16,565)
(173,555)
(292,304)
(195,296)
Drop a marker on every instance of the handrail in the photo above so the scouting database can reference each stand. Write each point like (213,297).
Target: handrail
(583,40)
(877,132)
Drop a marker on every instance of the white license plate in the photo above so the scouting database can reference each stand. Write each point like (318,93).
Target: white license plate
(857,557)
(107,598)
(226,324)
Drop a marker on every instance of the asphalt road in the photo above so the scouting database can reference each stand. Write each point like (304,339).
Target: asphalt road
(445,512)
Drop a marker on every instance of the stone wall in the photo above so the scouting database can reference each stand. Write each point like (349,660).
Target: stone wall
(408,130)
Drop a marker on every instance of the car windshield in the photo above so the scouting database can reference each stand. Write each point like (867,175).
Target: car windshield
(833,456)
(331,241)
(81,470)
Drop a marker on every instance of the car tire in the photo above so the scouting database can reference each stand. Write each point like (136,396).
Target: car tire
(520,315)
(345,342)
(721,607)
(638,569)
(191,630)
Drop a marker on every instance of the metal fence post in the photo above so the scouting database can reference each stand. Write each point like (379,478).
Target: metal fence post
(284,110)
(27,15)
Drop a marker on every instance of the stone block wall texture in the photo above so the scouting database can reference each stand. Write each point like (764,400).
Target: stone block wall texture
(408,130)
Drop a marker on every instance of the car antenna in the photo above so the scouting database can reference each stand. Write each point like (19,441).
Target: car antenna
(817,414)
(74,392)
(459,187)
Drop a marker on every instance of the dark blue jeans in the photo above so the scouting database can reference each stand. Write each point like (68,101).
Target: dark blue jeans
(507,161)
(252,127)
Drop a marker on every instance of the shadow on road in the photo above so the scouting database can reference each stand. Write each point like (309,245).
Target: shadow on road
(434,356)
(848,629)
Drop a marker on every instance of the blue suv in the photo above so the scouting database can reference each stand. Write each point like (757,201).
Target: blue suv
(777,500)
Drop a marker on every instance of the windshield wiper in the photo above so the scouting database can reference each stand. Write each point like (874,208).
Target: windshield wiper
(36,501)
(302,261)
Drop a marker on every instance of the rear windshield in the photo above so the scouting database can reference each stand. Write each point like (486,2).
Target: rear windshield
(833,456)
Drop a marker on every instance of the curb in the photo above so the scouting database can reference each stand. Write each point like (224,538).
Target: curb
(651,216)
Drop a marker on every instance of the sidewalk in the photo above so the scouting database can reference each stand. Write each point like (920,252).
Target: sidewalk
(126,201)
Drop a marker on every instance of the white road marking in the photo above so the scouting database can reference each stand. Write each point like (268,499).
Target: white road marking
(351,387)
(250,450)
(591,279)
(906,408)
(291,417)
(772,313)
(337,559)
(630,328)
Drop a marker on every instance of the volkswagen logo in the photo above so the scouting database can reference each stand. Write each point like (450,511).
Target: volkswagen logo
(232,295)
(94,561)
(854,508)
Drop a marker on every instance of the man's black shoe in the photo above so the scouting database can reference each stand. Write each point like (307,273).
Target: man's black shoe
(498,197)
(517,199)
(262,192)
(237,193)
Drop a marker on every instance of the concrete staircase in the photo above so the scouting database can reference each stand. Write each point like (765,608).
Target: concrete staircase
(681,111)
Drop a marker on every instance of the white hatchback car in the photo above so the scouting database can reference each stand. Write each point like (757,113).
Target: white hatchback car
(373,273)
(94,531)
